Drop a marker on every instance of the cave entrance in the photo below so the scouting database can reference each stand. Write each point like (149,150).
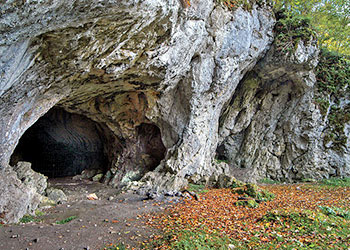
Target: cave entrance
(62,144)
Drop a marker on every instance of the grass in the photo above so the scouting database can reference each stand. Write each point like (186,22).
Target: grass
(187,239)
(335,212)
(197,188)
(32,218)
(336,182)
(299,230)
(64,221)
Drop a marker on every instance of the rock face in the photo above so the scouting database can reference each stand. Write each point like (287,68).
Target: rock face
(31,178)
(274,127)
(152,90)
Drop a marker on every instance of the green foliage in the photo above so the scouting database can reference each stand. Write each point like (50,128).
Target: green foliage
(248,203)
(32,218)
(336,182)
(290,30)
(255,193)
(29,218)
(191,239)
(300,230)
(333,84)
(333,73)
(198,188)
(330,18)
(64,221)
(221,161)
(335,211)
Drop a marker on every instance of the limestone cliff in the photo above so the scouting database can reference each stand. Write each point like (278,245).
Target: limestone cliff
(152,90)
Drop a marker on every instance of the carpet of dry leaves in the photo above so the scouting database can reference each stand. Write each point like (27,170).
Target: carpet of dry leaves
(215,213)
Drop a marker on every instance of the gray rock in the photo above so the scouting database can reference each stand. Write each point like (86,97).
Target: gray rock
(31,178)
(97,177)
(56,195)
(16,199)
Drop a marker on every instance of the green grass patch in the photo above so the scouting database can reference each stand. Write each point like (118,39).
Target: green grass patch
(335,211)
(300,230)
(197,188)
(64,221)
(29,218)
(32,218)
(188,239)
(336,182)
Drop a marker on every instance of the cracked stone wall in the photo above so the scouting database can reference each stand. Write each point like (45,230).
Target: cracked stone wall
(273,126)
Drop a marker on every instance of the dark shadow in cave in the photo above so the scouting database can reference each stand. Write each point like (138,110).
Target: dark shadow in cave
(62,144)
(151,145)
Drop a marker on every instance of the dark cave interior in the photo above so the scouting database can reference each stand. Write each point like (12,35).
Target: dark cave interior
(62,144)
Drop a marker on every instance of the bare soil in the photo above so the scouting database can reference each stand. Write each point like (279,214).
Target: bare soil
(110,219)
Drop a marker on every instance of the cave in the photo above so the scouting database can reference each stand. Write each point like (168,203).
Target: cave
(62,144)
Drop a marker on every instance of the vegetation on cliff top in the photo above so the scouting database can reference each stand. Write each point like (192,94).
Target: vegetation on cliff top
(330,18)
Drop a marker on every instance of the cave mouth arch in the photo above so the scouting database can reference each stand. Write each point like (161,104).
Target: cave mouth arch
(62,144)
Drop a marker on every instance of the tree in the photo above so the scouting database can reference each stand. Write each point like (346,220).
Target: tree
(331,19)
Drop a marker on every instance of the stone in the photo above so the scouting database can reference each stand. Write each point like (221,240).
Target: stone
(97,177)
(31,178)
(227,181)
(16,199)
(92,197)
(46,202)
(57,195)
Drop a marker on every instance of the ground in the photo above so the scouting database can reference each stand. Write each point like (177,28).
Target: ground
(97,223)
(301,216)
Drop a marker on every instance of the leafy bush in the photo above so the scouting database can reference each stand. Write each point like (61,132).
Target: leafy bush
(290,30)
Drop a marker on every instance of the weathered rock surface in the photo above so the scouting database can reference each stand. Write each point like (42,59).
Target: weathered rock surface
(56,195)
(158,88)
(30,178)
(17,199)
(273,126)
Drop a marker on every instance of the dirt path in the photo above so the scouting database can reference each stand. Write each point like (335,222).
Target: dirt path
(110,219)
